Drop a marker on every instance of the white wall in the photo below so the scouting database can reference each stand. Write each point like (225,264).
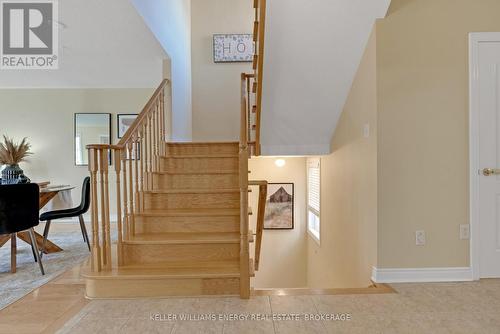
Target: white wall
(170,21)
(216,87)
(102,44)
(313,49)
(283,261)
(348,248)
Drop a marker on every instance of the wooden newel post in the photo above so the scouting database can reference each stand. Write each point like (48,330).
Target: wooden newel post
(244,246)
(95,259)
(106,238)
(243,172)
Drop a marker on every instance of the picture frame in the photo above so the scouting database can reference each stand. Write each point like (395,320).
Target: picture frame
(279,212)
(123,123)
(90,128)
(233,48)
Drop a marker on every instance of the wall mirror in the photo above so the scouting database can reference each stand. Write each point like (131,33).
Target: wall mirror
(90,129)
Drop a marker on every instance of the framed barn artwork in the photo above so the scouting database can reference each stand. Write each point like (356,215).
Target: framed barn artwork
(279,207)
(233,48)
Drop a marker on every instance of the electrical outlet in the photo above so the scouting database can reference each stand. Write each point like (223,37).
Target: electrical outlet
(420,238)
(464,232)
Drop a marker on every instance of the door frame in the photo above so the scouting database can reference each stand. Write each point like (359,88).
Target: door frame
(475,39)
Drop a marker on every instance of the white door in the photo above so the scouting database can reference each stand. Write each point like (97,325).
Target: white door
(487,103)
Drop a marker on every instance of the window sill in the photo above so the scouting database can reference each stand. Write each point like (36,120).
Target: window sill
(313,236)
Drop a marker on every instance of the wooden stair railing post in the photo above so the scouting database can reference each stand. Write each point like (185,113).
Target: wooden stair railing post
(259,37)
(243,181)
(162,122)
(102,164)
(117,155)
(130,189)
(135,150)
(107,223)
(141,162)
(95,259)
(126,213)
(150,155)
(260,218)
(157,136)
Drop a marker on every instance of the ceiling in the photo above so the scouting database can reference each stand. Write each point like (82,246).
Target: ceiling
(102,44)
(313,50)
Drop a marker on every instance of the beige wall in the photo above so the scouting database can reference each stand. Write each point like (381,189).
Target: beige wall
(216,87)
(348,248)
(422,64)
(46,116)
(283,258)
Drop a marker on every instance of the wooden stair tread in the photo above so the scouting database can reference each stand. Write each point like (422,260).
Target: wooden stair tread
(200,156)
(204,143)
(225,269)
(187,172)
(190,213)
(166,272)
(184,238)
(194,191)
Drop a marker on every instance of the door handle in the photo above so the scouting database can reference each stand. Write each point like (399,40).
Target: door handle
(491,171)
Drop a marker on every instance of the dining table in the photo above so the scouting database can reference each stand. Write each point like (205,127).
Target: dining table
(47,193)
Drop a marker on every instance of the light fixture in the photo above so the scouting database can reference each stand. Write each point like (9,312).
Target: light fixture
(280,162)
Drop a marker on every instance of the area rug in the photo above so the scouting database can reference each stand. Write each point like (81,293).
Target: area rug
(28,276)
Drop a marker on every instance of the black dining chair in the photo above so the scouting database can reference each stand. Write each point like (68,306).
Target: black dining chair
(48,217)
(19,206)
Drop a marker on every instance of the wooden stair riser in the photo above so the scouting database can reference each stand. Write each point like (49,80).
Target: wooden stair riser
(200,164)
(195,181)
(202,149)
(164,201)
(135,254)
(144,288)
(145,224)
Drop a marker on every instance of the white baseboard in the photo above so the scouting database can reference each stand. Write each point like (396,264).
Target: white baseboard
(421,275)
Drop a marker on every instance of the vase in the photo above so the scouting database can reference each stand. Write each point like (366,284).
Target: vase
(13,174)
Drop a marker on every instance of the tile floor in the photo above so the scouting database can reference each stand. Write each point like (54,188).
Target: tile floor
(417,308)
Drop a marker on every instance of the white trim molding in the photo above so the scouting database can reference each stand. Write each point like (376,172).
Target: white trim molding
(421,275)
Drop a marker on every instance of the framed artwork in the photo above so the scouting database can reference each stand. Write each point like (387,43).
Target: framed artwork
(90,128)
(279,207)
(233,48)
(124,121)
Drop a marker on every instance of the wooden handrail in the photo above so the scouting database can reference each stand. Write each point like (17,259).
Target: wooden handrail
(260,70)
(260,218)
(139,120)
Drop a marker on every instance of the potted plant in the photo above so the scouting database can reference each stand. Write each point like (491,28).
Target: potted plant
(11,154)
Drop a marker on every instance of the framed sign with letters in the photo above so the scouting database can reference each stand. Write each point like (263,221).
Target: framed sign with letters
(233,48)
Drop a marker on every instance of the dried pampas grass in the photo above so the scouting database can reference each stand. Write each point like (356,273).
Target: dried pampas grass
(12,153)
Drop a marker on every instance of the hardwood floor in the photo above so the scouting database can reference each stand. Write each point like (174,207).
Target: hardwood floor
(47,308)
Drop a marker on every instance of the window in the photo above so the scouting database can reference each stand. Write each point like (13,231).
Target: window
(313,198)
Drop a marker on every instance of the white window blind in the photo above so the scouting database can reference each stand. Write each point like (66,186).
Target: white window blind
(313,197)
(314,185)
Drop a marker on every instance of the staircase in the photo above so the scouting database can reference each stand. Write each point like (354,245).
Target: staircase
(186,240)
(181,208)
